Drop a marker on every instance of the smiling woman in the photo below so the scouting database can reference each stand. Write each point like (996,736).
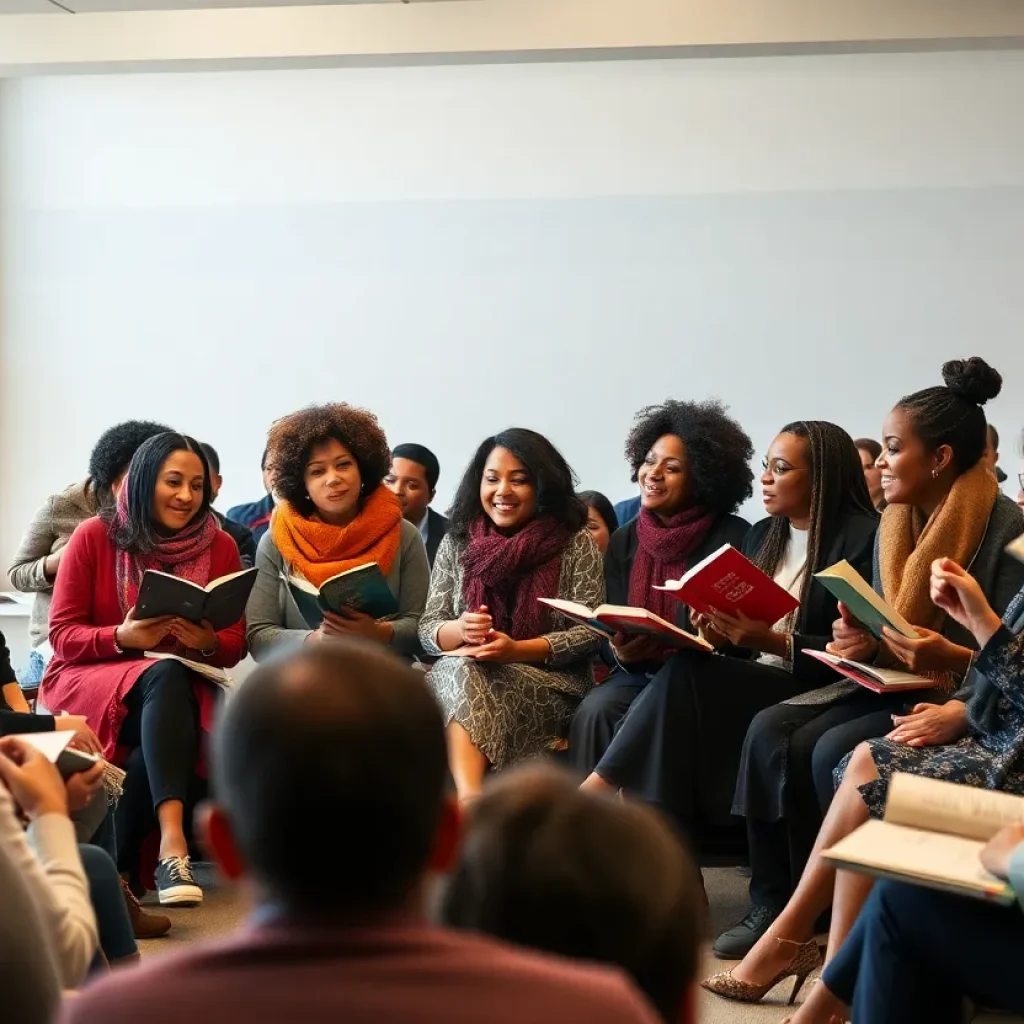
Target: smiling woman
(335,515)
(518,533)
(161,521)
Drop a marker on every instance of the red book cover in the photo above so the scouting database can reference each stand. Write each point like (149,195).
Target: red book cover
(729,582)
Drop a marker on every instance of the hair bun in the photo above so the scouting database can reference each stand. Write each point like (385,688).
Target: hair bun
(972,379)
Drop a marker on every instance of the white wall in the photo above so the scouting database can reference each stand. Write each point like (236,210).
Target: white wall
(464,248)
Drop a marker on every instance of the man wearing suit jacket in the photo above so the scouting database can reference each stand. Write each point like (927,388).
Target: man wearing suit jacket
(413,480)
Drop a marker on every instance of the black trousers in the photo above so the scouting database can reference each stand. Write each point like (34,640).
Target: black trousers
(599,715)
(679,745)
(914,954)
(785,781)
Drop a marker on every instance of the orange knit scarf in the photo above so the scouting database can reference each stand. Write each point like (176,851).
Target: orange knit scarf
(319,551)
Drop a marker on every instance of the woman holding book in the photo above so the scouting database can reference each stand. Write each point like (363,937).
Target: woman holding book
(334,515)
(692,461)
(518,533)
(161,521)
(942,502)
(680,744)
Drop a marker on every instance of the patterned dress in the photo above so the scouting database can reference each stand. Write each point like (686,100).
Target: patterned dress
(514,711)
(990,757)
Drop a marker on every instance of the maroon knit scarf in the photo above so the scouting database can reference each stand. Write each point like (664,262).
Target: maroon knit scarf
(187,553)
(663,554)
(508,574)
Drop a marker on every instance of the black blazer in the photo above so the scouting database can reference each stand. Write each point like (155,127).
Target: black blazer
(853,539)
(618,564)
(242,536)
(437,527)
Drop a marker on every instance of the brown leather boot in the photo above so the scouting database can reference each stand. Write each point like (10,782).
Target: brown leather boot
(144,926)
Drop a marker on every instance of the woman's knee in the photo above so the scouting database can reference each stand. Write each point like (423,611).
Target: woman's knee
(766,735)
(861,768)
(99,866)
(168,680)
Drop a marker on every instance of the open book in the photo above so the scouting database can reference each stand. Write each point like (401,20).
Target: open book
(881,680)
(845,584)
(730,582)
(211,672)
(363,589)
(932,835)
(222,602)
(608,619)
(54,746)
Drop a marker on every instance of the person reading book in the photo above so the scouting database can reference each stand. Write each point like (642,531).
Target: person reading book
(988,753)
(161,521)
(518,533)
(692,463)
(941,502)
(335,515)
(680,744)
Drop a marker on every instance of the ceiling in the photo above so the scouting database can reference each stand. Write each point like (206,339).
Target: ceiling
(96,6)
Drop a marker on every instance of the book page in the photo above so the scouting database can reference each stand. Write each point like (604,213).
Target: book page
(51,744)
(897,851)
(978,814)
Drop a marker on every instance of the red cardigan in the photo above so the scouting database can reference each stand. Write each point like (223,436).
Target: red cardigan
(86,675)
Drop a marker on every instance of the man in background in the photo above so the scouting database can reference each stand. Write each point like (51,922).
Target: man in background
(413,480)
(991,455)
(329,768)
(256,514)
(241,535)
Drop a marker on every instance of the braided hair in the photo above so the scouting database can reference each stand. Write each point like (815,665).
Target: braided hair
(838,488)
(952,414)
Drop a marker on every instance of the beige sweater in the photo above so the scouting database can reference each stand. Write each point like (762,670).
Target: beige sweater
(49,531)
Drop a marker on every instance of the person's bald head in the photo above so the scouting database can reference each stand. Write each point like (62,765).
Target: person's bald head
(329,772)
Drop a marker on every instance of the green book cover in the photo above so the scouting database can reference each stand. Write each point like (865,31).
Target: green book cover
(868,608)
(363,589)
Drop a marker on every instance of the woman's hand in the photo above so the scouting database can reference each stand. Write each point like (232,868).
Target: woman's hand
(83,786)
(474,627)
(957,593)
(928,651)
(142,634)
(499,647)
(740,631)
(995,858)
(931,725)
(351,623)
(202,638)
(850,640)
(631,651)
(84,739)
(32,779)
(702,624)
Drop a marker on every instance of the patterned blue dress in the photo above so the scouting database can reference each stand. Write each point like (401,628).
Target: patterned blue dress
(991,756)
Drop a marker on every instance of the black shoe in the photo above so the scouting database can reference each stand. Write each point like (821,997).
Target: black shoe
(175,883)
(739,940)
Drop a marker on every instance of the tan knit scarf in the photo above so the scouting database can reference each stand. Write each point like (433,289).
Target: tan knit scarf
(908,545)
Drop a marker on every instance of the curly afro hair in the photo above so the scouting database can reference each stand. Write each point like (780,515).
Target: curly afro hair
(718,451)
(292,439)
(114,450)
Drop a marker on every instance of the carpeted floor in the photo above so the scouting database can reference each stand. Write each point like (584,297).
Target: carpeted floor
(223,910)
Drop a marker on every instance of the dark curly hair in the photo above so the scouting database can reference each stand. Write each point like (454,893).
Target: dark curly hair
(139,534)
(951,414)
(114,450)
(550,474)
(718,451)
(292,439)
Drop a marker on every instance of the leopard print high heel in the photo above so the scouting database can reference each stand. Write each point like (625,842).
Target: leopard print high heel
(806,959)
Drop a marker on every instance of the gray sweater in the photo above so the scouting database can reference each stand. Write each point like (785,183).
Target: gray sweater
(273,619)
(49,531)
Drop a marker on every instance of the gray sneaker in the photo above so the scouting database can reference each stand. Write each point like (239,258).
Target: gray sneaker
(741,938)
(175,883)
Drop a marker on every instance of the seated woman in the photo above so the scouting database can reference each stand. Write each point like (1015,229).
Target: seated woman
(941,501)
(38,557)
(917,954)
(679,746)
(869,450)
(334,514)
(545,866)
(161,521)
(987,752)
(518,533)
(692,462)
(601,521)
